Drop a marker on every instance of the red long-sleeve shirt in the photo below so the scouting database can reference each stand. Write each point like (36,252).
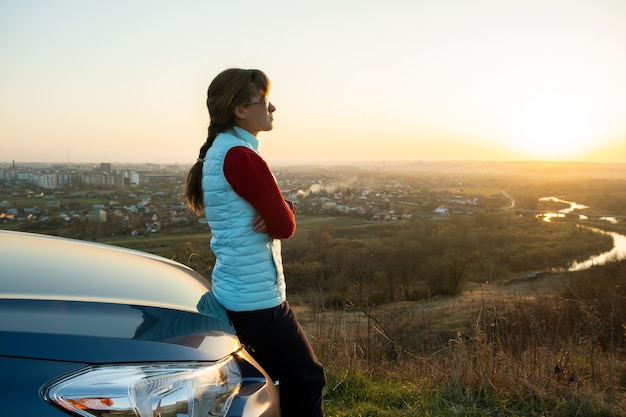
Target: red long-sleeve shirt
(251,178)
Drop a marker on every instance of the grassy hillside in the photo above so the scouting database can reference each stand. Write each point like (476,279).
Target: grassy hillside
(547,346)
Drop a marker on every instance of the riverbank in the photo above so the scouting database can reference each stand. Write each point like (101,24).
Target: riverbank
(609,225)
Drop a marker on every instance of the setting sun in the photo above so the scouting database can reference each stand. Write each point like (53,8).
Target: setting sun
(553,124)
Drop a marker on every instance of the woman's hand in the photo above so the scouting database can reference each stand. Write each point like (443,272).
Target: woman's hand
(259,224)
(292,206)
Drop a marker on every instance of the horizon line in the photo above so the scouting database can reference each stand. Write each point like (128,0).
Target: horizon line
(330,161)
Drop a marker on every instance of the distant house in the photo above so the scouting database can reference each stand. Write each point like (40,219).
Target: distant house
(383,215)
(441,212)
(7,217)
(179,207)
(180,220)
(97,216)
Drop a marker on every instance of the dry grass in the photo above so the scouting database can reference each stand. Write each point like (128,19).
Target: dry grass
(552,343)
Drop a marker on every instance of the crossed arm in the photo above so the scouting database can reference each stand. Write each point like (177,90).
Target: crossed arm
(252,179)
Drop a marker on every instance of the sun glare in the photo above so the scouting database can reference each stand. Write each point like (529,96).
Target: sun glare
(553,125)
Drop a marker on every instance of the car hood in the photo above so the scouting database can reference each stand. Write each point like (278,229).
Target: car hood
(97,333)
(71,300)
(47,267)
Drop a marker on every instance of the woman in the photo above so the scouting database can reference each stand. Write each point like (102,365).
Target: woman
(233,186)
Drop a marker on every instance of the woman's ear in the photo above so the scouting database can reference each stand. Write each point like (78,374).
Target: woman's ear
(240,112)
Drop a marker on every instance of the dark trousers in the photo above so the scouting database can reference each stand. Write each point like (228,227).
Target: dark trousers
(276,340)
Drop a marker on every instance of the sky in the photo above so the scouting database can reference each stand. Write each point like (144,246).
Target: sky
(352,80)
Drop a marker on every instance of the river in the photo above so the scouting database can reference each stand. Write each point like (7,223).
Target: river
(619,241)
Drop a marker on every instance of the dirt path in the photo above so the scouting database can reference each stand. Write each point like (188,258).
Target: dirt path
(444,313)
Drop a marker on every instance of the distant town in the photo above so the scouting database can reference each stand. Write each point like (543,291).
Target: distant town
(94,200)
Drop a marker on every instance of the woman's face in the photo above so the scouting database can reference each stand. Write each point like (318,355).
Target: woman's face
(257,115)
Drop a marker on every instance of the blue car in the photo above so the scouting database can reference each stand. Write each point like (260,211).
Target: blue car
(95,330)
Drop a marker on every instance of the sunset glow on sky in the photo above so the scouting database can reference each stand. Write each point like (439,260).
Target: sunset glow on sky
(125,81)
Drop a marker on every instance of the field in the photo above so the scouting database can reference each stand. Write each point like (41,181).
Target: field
(551,345)
(313,222)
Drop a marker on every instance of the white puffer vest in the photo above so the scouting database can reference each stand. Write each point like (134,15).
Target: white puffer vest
(248,272)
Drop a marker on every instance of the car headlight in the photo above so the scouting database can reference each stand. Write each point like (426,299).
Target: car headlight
(149,390)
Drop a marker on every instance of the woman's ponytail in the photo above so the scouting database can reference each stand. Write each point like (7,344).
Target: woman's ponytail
(193,187)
